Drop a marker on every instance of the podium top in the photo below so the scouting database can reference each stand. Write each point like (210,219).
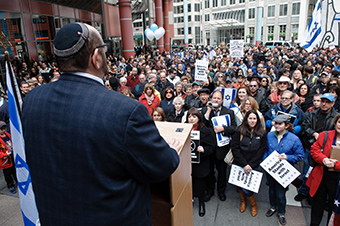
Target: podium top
(179,131)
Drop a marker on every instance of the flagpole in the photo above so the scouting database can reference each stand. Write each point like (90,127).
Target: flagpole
(12,81)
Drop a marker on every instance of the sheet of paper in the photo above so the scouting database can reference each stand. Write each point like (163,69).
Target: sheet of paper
(250,181)
(222,120)
(281,170)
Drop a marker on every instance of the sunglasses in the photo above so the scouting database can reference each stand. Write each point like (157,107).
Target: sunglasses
(333,84)
(253,86)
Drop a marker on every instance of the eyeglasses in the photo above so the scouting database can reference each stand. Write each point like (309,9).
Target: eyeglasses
(285,98)
(253,86)
(169,92)
(105,46)
(220,76)
(333,84)
(283,83)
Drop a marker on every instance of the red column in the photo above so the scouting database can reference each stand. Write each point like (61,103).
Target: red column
(166,25)
(126,28)
(159,22)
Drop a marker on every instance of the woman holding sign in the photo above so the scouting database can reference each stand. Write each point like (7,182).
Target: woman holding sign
(289,147)
(248,145)
(323,181)
(200,170)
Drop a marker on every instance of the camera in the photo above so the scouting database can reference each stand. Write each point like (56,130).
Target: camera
(213,105)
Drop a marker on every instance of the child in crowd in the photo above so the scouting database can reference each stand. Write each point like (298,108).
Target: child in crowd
(6,158)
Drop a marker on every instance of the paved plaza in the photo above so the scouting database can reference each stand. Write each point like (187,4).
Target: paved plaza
(217,213)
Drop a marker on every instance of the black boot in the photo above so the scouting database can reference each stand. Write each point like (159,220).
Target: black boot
(201,209)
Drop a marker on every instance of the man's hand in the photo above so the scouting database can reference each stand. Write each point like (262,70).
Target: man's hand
(200,149)
(315,135)
(175,144)
(218,129)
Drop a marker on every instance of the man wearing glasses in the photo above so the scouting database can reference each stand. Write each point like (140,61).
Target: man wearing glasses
(286,105)
(92,152)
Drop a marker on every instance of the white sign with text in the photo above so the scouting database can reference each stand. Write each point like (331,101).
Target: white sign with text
(200,67)
(250,181)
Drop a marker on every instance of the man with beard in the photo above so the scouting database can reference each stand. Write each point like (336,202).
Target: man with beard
(92,152)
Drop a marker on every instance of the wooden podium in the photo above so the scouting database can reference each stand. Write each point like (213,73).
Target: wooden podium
(172,198)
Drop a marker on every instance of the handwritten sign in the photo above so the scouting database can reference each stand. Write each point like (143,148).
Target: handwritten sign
(250,181)
(281,170)
(223,120)
(200,67)
(195,142)
(236,48)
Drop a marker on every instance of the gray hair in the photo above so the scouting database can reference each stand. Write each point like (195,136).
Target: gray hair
(178,99)
(122,79)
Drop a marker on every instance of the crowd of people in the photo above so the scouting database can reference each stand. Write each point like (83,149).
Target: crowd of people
(286,99)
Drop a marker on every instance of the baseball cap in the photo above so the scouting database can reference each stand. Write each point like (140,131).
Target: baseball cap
(196,83)
(282,118)
(328,96)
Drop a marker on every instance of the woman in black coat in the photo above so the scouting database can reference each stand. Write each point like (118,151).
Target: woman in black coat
(178,113)
(200,170)
(248,145)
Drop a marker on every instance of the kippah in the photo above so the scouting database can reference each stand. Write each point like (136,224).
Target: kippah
(70,39)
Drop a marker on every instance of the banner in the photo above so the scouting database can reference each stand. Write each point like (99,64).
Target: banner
(236,48)
(200,67)
(229,96)
(27,199)
(195,142)
(281,170)
(250,181)
(223,120)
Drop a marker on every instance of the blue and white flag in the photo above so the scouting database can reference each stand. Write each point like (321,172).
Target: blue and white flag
(27,199)
(312,35)
(229,96)
(337,17)
(222,120)
(212,53)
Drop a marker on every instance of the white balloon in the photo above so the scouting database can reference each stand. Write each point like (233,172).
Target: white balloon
(150,35)
(158,34)
(162,29)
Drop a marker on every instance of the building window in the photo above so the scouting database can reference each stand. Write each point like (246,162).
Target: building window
(232,2)
(242,1)
(251,0)
(189,18)
(215,3)
(252,31)
(207,4)
(180,31)
(271,11)
(283,9)
(296,8)
(189,30)
(295,31)
(223,2)
(189,7)
(197,35)
(251,13)
(270,33)
(197,17)
(197,7)
(207,17)
(282,34)
(137,24)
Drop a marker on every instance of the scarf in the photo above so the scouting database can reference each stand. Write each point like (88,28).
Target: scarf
(149,99)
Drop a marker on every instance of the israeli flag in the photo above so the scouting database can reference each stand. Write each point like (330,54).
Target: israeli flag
(337,17)
(212,53)
(312,35)
(27,200)
(229,96)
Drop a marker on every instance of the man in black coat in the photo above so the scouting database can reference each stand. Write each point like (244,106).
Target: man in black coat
(217,158)
(92,152)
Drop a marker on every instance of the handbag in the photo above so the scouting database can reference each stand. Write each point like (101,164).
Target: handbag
(311,161)
(229,158)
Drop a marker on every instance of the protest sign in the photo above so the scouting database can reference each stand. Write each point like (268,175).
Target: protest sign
(200,67)
(236,48)
(229,96)
(223,120)
(195,142)
(250,181)
(281,170)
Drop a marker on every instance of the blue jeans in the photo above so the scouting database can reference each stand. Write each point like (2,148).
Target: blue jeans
(277,196)
(247,192)
(304,189)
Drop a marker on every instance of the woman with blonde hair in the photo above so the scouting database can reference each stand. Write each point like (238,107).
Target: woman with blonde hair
(297,75)
(249,103)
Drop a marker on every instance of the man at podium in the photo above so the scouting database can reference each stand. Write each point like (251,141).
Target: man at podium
(92,152)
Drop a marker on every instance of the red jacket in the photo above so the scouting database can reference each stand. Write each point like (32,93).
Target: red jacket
(315,176)
(154,104)
(5,160)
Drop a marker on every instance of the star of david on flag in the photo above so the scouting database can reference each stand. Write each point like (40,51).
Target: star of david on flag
(27,199)
(312,35)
